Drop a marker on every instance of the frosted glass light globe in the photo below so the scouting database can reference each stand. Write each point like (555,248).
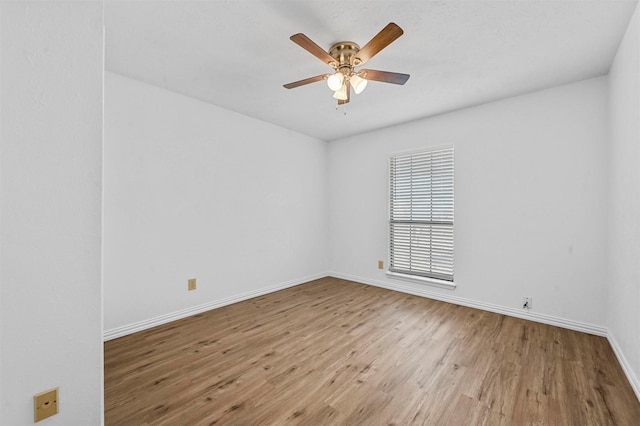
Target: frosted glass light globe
(341,93)
(358,83)
(335,81)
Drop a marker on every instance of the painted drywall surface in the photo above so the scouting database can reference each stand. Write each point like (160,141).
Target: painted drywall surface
(623,278)
(529,199)
(51,141)
(193,190)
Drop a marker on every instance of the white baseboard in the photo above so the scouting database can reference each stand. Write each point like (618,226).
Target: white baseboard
(166,318)
(546,319)
(626,367)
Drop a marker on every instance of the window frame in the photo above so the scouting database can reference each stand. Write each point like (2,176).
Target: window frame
(406,275)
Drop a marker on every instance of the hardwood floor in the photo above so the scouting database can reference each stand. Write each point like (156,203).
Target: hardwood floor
(336,352)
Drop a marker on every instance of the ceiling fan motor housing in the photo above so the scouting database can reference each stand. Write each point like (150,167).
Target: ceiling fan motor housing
(344,53)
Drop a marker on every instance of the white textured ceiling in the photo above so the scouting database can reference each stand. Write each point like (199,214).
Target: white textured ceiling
(237,54)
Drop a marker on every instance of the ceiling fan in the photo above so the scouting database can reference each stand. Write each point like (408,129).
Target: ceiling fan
(344,57)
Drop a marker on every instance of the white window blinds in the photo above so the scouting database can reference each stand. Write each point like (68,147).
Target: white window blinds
(421,214)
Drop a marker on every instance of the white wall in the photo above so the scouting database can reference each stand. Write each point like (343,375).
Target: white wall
(51,71)
(623,279)
(529,201)
(193,190)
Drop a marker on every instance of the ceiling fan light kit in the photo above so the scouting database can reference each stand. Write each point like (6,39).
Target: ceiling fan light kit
(343,57)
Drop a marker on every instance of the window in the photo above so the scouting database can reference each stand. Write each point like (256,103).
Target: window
(421,215)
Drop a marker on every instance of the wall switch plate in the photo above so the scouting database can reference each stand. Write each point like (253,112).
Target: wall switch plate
(380,264)
(45,404)
(192,284)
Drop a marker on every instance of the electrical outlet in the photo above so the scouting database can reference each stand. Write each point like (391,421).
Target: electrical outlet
(380,264)
(527,303)
(191,284)
(45,404)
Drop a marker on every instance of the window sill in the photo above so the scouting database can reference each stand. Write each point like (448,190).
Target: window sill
(422,280)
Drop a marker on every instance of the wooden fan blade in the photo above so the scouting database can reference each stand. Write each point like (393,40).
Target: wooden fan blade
(346,101)
(384,76)
(307,44)
(305,81)
(377,43)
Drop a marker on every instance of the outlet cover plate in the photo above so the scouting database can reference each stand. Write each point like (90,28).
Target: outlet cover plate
(45,404)
(191,284)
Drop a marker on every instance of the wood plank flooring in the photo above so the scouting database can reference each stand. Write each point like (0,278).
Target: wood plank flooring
(335,352)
